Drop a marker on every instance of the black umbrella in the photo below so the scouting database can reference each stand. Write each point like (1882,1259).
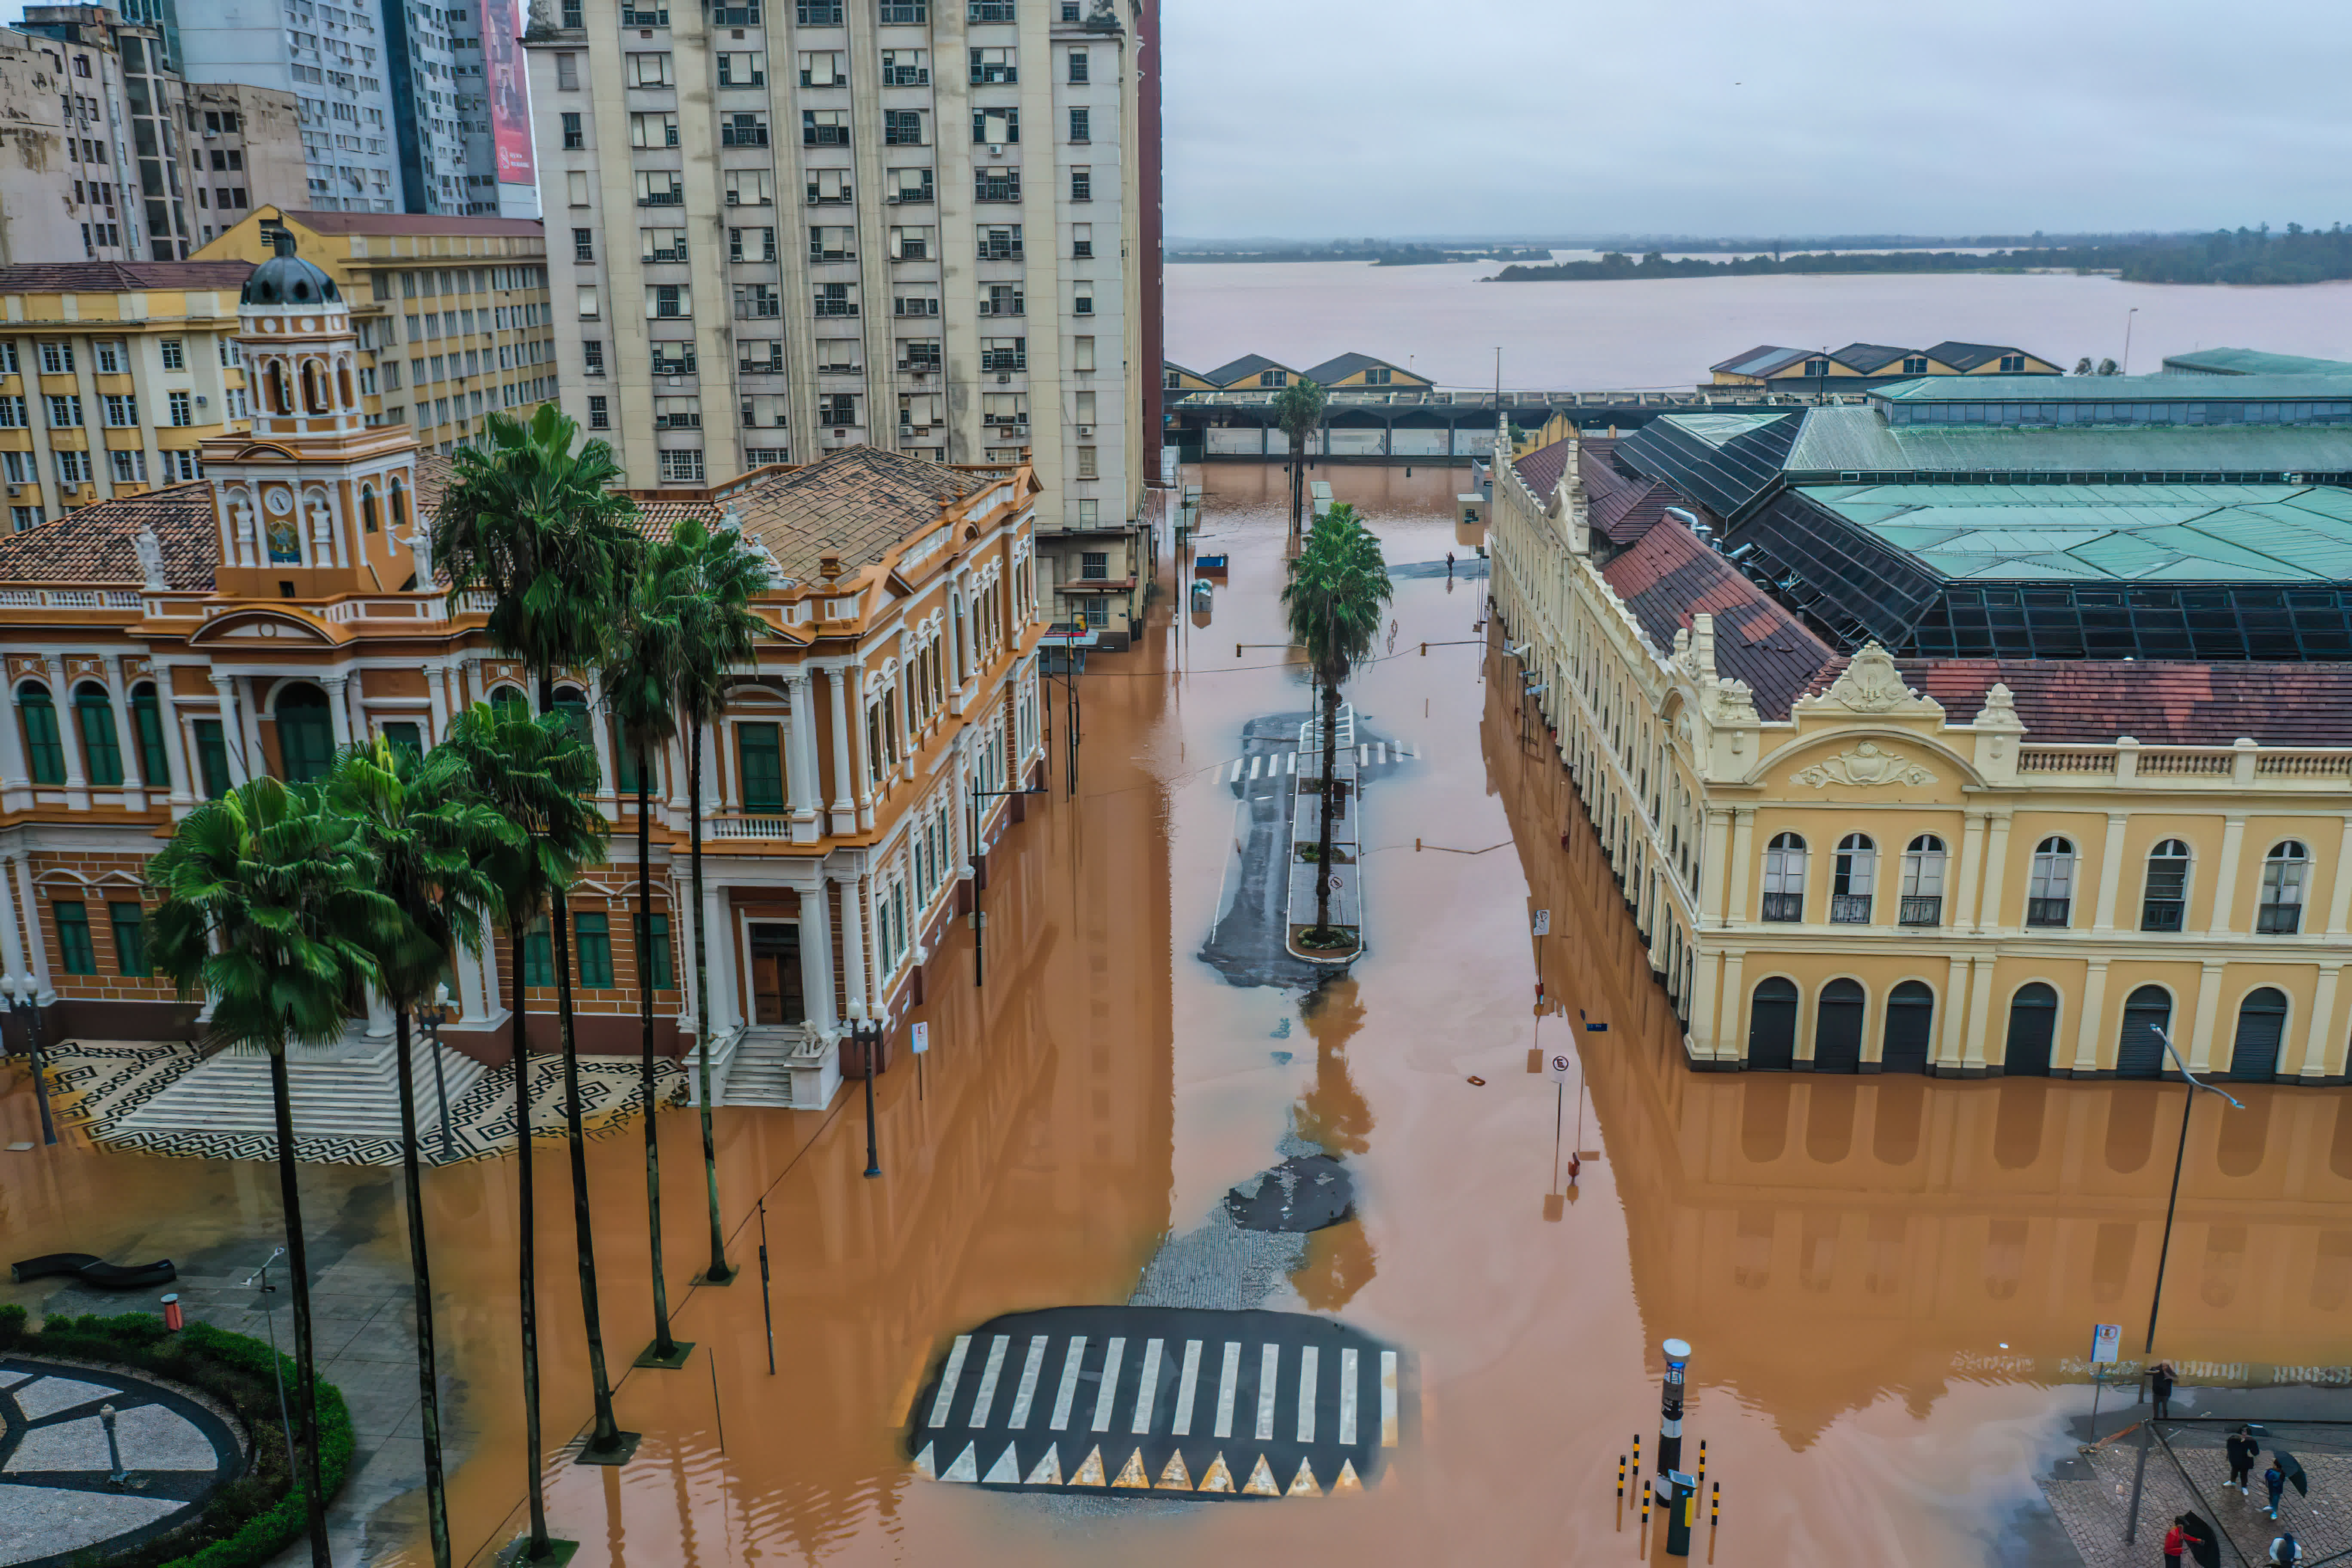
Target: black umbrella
(2204,1541)
(2295,1478)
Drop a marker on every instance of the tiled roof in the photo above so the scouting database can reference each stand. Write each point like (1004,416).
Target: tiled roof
(1868,358)
(2155,701)
(1624,504)
(407,222)
(1963,356)
(1248,364)
(434,473)
(1670,576)
(120,277)
(1542,467)
(93,545)
(1762,359)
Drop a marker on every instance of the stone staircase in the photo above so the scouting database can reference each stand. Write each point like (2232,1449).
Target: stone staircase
(348,1090)
(722,1063)
(783,1067)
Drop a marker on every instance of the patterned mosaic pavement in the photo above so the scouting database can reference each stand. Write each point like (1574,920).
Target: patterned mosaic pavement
(97,1083)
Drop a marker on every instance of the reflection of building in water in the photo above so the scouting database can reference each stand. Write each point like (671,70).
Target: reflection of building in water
(2074,813)
(1827,1240)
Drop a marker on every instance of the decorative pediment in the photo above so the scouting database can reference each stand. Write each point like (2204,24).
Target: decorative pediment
(1865,767)
(1871,684)
(264,626)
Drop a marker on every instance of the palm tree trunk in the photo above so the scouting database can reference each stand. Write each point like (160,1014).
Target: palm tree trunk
(436,1502)
(527,1229)
(304,1460)
(719,1272)
(1323,838)
(605,1436)
(1298,477)
(664,1348)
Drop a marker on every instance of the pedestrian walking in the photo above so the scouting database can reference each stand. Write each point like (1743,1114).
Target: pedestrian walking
(2160,1384)
(2176,1543)
(1449,563)
(2274,1482)
(2244,1452)
(2285,1552)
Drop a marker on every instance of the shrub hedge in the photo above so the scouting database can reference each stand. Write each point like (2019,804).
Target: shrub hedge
(253,1517)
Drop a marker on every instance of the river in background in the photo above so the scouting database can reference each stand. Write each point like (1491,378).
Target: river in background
(1446,320)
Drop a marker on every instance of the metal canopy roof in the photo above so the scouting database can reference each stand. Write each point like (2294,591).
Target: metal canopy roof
(2109,389)
(1836,441)
(2253,362)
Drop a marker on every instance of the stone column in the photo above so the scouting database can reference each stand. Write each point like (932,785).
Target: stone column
(1981,1013)
(126,736)
(853,937)
(600,735)
(1730,1040)
(249,715)
(175,741)
(2199,1047)
(37,946)
(379,1016)
(69,735)
(2225,872)
(356,691)
(718,952)
(816,961)
(474,1007)
(1704,1003)
(436,710)
(1947,1052)
(845,792)
(12,946)
(799,757)
(2321,1034)
(232,728)
(339,708)
(1743,841)
(16,774)
(2086,1027)
(2111,870)
(2339,897)
(1996,866)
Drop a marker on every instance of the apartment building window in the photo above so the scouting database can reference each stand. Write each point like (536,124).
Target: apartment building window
(677,413)
(837,299)
(2284,872)
(750,245)
(567,69)
(673,356)
(828,187)
(905,67)
(762,303)
(832,242)
(747,188)
(1082,184)
(1081,125)
(24,517)
(996,184)
(743,130)
(56,358)
(740,69)
(122,410)
(652,130)
(1852,879)
(1087,469)
(837,408)
(743,16)
(591,356)
(575,137)
(1004,408)
(663,243)
(589,308)
(908,186)
(757,356)
(682,465)
(108,353)
(1784,878)
(910,243)
(129,468)
(178,404)
(599,417)
(647,70)
(759,748)
(668,300)
(1094,566)
(73,467)
(660,188)
(8,365)
(905,12)
(584,245)
(184,466)
(765,410)
(837,356)
(1082,241)
(901,305)
(825,128)
(18,467)
(919,410)
(995,126)
(990,11)
(818,13)
(918,353)
(903,128)
(1082,297)
(1082,353)
(762,457)
(2164,896)
(823,68)
(1004,353)
(12,412)
(65,411)
(1077,67)
(1922,892)
(1000,242)
(2050,894)
(991,66)
(1003,300)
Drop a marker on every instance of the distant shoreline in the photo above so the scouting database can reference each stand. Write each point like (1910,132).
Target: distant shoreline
(2244,257)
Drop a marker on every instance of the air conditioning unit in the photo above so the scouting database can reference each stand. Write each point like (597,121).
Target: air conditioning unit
(996,149)
(1002,379)
(15,489)
(212,136)
(1086,429)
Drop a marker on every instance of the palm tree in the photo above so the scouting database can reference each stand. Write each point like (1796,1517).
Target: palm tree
(269,908)
(641,686)
(712,578)
(1333,599)
(536,771)
(427,841)
(1299,409)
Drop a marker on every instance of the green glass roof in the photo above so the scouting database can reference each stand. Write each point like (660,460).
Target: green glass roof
(2110,388)
(1860,440)
(2253,362)
(2201,533)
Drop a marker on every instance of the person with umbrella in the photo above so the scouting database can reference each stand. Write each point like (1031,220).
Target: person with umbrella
(2274,1481)
(2203,1540)
(2176,1543)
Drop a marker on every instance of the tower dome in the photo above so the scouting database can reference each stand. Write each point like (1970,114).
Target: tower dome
(286,280)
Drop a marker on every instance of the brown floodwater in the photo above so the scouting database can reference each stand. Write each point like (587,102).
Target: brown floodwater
(1885,1279)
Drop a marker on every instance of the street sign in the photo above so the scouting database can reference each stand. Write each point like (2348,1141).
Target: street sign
(2106,1341)
(922,1038)
(1559,1065)
(1543,922)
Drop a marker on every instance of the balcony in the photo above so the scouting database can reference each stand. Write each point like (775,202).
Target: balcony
(2162,914)
(743,136)
(2047,912)
(1850,908)
(673,197)
(1922,910)
(2278,919)
(1003,306)
(1789,908)
(1000,359)
(1000,250)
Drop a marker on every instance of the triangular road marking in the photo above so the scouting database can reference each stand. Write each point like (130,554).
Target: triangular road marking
(1131,1473)
(1176,1478)
(924,1467)
(1090,1473)
(1006,1471)
(1261,1482)
(1303,1484)
(1219,1479)
(1048,1470)
(965,1468)
(1346,1482)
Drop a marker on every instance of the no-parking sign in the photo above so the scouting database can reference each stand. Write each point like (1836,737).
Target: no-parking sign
(2107,1342)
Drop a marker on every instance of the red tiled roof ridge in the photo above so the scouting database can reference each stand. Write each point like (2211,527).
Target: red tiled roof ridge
(1669,577)
(120,277)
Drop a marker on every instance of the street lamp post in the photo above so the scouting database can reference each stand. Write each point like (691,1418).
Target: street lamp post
(2155,1299)
(2125,370)
(430,1016)
(26,994)
(868,1038)
(971,870)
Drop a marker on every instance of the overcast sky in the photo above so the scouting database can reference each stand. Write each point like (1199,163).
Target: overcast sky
(1323,118)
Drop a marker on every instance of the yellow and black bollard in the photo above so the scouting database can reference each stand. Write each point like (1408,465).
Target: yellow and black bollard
(1621,1477)
(1702,1462)
(1646,1505)
(1637,1453)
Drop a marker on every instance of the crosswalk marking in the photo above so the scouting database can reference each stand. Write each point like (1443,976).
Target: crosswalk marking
(1070,1362)
(1225,1381)
(987,1395)
(1307,1357)
(1237,777)
(964,1469)
(1028,1389)
(1183,1425)
(1147,1384)
(1388,1399)
(1348,1398)
(1269,1367)
(1047,1471)
(1292,766)
(948,1379)
(1109,1383)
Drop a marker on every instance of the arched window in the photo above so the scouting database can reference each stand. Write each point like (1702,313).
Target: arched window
(314,390)
(2283,874)
(399,503)
(344,385)
(1772,1024)
(1837,1028)
(508,702)
(2164,903)
(2140,1050)
(573,704)
(1923,881)
(306,738)
(1784,878)
(280,396)
(367,507)
(1851,882)
(2051,894)
(1909,1037)
(101,744)
(2262,1024)
(2032,1021)
(45,752)
(147,724)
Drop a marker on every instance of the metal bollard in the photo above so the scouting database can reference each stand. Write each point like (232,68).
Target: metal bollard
(1621,1477)
(1645,1502)
(1715,1505)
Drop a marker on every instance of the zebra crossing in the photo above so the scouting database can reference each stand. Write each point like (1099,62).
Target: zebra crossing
(1218,1404)
(1372,753)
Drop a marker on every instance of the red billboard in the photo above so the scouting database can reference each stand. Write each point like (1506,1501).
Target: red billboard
(510,93)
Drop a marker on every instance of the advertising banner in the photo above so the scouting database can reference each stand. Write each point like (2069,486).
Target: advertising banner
(509,92)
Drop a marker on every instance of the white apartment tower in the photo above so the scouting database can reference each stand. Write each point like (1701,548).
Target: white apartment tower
(779,228)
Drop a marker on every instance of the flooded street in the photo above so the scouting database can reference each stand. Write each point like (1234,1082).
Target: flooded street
(1886,1281)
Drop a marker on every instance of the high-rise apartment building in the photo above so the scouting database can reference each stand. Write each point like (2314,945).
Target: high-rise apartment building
(779,229)
(245,150)
(335,60)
